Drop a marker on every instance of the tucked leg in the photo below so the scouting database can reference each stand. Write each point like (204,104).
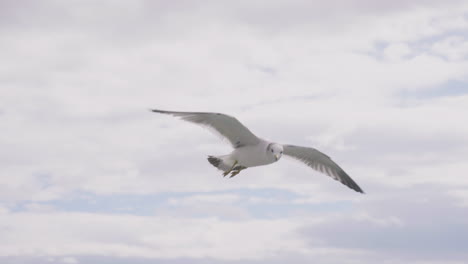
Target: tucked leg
(237,170)
(229,171)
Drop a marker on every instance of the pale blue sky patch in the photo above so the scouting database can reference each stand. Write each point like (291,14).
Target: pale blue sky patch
(447,89)
(258,203)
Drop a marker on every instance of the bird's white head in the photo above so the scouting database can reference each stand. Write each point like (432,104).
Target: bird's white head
(275,151)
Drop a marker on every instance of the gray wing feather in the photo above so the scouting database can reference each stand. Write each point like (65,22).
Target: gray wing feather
(224,125)
(321,162)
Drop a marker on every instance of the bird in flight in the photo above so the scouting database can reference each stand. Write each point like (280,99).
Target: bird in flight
(251,151)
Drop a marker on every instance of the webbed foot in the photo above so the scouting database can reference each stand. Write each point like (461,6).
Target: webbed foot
(229,171)
(237,170)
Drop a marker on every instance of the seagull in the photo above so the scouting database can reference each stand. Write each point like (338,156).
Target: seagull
(251,151)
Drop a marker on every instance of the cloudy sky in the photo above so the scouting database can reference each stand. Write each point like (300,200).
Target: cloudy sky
(89,175)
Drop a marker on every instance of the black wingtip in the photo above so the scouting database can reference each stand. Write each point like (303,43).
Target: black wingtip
(346,180)
(158,111)
(357,189)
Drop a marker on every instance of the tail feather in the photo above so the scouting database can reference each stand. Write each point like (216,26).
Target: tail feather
(221,162)
(214,161)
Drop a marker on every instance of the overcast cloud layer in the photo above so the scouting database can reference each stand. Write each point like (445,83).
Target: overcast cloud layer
(89,175)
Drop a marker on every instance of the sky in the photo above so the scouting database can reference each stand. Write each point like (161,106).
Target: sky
(89,175)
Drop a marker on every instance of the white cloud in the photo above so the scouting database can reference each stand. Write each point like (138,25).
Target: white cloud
(77,83)
(397,52)
(69,260)
(32,234)
(197,199)
(377,226)
(3,210)
(461,194)
(452,48)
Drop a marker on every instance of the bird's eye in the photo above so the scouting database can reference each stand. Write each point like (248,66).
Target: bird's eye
(271,150)
(281,152)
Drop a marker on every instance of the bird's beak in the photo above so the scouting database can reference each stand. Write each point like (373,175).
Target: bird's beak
(277,157)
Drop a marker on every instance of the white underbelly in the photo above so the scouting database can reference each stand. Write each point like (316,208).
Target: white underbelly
(252,156)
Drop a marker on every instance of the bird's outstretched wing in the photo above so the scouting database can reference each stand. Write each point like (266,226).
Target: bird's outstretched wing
(226,126)
(321,162)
